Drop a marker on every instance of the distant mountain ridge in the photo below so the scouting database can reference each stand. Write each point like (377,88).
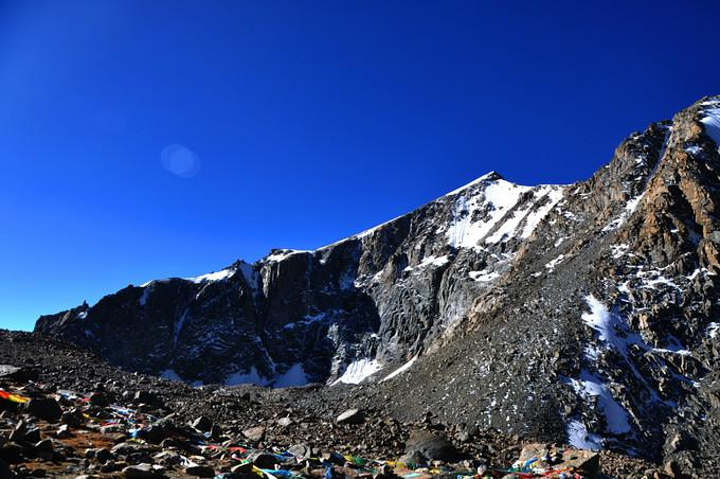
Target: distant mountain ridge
(586,312)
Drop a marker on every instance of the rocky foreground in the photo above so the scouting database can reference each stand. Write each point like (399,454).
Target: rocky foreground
(67,413)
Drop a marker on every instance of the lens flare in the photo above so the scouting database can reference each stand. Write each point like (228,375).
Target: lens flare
(180,161)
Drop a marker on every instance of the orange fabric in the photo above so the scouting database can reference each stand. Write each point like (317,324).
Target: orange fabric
(13,397)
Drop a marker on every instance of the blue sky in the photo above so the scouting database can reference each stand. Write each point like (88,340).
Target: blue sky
(143,140)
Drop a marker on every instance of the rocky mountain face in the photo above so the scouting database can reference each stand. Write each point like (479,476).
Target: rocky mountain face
(585,313)
(311,316)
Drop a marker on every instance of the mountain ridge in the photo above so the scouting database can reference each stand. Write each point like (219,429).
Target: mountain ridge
(581,312)
(492,175)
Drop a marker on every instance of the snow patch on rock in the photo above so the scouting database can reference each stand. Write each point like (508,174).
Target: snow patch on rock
(144,297)
(498,198)
(484,276)
(282,254)
(245,377)
(293,377)
(712,330)
(619,250)
(711,120)
(613,331)
(210,277)
(430,261)
(532,220)
(693,149)
(358,371)
(591,388)
(552,264)
(170,375)
(401,369)
(579,437)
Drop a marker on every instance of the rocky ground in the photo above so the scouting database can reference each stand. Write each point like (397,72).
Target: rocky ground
(67,413)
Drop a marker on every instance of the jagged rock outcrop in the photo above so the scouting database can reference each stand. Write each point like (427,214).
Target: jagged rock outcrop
(585,312)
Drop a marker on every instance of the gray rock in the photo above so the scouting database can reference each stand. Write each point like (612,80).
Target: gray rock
(255,434)
(200,471)
(5,470)
(112,466)
(72,418)
(300,451)
(430,446)
(102,455)
(672,469)
(18,434)
(216,432)
(139,458)
(12,453)
(351,416)
(284,421)
(143,471)
(506,307)
(32,435)
(168,458)
(126,448)
(155,433)
(263,460)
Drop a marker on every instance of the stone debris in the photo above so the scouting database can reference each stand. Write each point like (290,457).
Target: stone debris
(153,443)
(180,431)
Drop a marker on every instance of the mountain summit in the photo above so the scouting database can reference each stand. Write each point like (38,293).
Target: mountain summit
(584,313)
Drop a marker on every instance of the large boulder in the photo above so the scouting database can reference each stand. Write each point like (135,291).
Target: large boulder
(431,446)
(45,408)
(143,471)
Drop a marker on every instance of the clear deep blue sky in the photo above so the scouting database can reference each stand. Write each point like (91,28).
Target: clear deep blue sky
(311,121)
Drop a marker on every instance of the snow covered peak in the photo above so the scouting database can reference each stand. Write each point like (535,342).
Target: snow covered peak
(486,178)
(488,210)
(497,211)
